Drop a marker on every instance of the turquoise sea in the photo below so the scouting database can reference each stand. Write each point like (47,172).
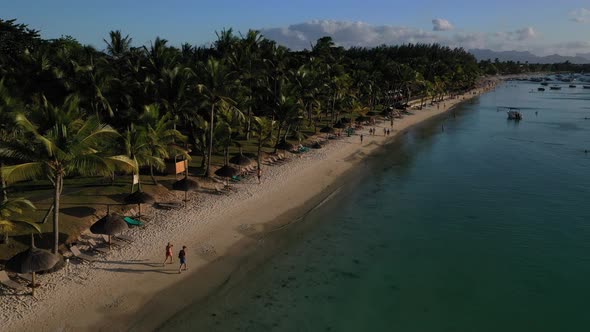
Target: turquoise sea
(482,226)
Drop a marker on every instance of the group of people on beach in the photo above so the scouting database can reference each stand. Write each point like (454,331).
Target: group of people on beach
(373,131)
(181,257)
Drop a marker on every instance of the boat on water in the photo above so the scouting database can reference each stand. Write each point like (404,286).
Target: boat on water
(586,86)
(514,115)
(572,85)
(544,84)
(541,89)
(555,88)
(513,112)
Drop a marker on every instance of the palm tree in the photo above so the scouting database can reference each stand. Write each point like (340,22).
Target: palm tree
(62,142)
(7,131)
(215,84)
(8,209)
(118,45)
(161,138)
(263,129)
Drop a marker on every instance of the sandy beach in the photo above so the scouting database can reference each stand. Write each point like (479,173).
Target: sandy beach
(130,289)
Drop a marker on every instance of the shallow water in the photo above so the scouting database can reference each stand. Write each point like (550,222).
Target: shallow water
(481,227)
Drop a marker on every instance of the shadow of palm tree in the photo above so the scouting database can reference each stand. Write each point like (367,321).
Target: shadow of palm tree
(78,211)
(43,240)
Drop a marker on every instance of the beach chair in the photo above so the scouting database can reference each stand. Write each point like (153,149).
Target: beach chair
(114,241)
(168,205)
(134,215)
(221,191)
(7,282)
(78,254)
(25,276)
(133,222)
(125,238)
(94,246)
(272,160)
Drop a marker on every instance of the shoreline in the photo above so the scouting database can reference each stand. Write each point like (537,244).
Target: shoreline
(130,290)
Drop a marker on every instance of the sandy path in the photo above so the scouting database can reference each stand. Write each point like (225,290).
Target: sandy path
(127,289)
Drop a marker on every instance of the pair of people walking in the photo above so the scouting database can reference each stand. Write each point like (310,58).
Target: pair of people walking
(181,257)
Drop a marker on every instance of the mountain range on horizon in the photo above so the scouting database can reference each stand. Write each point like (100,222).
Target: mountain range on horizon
(525,56)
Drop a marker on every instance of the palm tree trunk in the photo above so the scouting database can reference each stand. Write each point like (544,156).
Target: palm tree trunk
(249,122)
(208,170)
(57,195)
(3,194)
(258,160)
(279,129)
(152,174)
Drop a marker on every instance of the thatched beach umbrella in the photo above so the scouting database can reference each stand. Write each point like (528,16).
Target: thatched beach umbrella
(284,145)
(111,224)
(327,130)
(31,261)
(362,118)
(185,185)
(139,197)
(339,125)
(227,171)
(240,160)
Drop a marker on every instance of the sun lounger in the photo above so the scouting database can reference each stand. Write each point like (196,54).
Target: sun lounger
(6,281)
(76,251)
(113,241)
(125,238)
(133,214)
(168,205)
(132,222)
(221,191)
(25,276)
(94,246)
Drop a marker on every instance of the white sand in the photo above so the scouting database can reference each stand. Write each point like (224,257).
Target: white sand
(119,291)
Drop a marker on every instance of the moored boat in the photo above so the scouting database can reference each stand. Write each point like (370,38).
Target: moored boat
(514,115)
(544,83)
(541,89)
(586,86)
(572,85)
(555,87)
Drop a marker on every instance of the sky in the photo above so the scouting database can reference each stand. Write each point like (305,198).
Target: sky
(542,27)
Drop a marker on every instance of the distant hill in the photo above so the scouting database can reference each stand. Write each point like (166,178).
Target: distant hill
(485,54)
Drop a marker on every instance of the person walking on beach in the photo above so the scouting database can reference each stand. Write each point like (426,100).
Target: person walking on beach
(259,173)
(388,132)
(361,138)
(384,131)
(168,253)
(182,258)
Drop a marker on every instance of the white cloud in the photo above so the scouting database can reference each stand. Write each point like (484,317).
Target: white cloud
(440,24)
(525,34)
(580,15)
(347,34)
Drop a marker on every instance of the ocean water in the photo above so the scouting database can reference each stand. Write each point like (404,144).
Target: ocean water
(467,223)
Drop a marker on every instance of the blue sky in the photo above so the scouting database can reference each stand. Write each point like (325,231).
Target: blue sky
(539,26)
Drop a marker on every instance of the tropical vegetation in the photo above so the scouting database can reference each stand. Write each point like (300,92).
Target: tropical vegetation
(71,110)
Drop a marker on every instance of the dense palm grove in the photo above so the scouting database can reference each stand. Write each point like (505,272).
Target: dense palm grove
(71,110)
